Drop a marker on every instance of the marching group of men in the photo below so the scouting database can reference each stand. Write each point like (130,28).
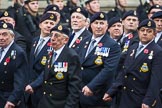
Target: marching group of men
(72,57)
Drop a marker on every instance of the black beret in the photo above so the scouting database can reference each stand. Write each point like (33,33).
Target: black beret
(52,8)
(88,1)
(48,16)
(130,13)
(4,25)
(148,23)
(27,1)
(157,15)
(154,7)
(79,10)
(98,16)
(8,13)
(62,29)
(114,20)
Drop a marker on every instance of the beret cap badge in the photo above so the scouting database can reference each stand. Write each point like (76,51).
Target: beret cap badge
(51,17)
(4,25)
(149,23)
(78,10)
(60,27)
(135,13)
(54,8)
(5,13)
(101,15)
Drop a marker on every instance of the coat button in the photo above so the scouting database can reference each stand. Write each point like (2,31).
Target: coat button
(44,93)
(82,68)
(134,79)
(5,72)
(126,76)
(50,94)
(123,67)
(2,82)
(45,82)
(124,88)
(51,83)
(132,90)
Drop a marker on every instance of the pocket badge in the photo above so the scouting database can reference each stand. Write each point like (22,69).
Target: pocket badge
(144,68)
(43,61)
(59,75)
(99,61)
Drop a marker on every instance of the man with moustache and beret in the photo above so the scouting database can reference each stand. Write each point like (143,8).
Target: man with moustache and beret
(60,80)
(139,81)
(99,56)
(13,69)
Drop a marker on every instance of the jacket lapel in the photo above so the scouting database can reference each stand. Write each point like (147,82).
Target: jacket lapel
(142,56)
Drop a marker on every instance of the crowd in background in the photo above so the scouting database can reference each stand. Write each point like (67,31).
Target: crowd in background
(76,56)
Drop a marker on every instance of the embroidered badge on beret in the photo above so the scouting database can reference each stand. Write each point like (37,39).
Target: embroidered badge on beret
(149,24)
(5,13)
(4,25)
(101,15)
(54,8)
(60,27)
(135,13)
(51,17)
(78,10)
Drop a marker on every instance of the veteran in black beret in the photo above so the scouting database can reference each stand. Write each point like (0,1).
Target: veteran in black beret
(153,9)
(38,57)
(13,69)
(79,19)
(55,10)
(139,81)
(157,18)
(130,23)
(60,80)
(115,28)
(99,55)
(129,13)
(8,17)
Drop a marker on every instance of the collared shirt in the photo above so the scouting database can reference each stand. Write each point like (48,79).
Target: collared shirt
(144,45)
(97,41)
(5,50)
(77,34)
(158,35)
(58,52)
(46,39)
(124,36)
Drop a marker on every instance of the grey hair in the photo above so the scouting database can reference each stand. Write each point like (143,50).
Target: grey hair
(11,32)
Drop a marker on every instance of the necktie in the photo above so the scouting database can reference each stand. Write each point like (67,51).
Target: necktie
(71,38)
(1,51)
(91,46)
(53,58)
(38,49)
(138,50)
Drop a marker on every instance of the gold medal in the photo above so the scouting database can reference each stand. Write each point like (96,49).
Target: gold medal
(59,75)
(98,61)
(144,68)
(43,61)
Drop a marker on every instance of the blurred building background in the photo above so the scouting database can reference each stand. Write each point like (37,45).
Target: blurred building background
(106,5)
